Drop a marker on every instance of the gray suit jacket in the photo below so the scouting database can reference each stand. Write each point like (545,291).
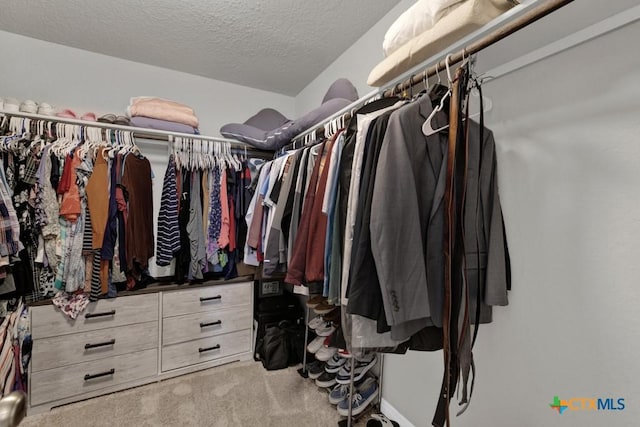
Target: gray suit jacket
(407,222)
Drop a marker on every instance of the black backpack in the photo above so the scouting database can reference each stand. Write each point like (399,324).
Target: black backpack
(281,346)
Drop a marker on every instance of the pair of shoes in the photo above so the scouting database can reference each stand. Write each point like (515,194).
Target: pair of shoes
(315,369)
(364,395)
(70,114)
(116,120)
(316,322)
(380,420)
(326,380)
(360,369)
(11,105)
(45,109)
(324,308)
(29,106)
(316,344)
(325,329)
(312,302)
(340,392)
(334,364)
(326,353)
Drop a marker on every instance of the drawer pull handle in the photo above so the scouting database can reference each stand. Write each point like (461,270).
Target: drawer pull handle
(100,344)
(101,374)
(215,347)
(205,299)
(104,313)
(204,325)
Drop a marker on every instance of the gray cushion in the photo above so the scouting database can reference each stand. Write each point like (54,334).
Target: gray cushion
(267,119)
(257,130)
(341,88)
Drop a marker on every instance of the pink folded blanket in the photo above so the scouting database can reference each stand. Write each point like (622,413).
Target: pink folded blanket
(162,113)
(173,105)
(164,110)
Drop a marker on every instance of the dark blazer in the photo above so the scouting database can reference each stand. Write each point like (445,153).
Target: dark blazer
(407,222)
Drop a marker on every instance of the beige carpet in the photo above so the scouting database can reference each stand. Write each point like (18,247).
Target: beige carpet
(239,394)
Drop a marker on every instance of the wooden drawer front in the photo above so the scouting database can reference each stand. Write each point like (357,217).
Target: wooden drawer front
(60,383)
(208,324)
(54,352)
(214,297)
(48,321)
(205,349)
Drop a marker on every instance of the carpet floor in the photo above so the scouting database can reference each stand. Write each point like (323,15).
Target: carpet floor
(239,394)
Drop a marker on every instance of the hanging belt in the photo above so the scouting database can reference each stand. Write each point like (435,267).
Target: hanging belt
(454,281)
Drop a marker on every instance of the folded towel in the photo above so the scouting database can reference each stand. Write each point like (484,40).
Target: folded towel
(149,123)
(161,112)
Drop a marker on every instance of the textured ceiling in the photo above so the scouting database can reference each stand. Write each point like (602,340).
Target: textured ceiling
(275,45)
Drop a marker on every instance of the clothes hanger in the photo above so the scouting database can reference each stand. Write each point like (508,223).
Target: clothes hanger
(427,128)
(487,103)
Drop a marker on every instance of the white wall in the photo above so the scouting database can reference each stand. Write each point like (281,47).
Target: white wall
(86,81)
(354,64)
(568,153)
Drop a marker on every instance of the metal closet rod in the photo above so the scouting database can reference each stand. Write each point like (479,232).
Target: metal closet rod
(506,30)
(481,44)
(159,135)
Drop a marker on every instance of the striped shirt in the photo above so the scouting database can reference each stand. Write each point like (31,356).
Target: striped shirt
(168,229)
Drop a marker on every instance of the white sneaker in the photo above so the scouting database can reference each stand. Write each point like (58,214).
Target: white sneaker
(325,353)
(45,109)
(29,106)
(315,345)
(316,322)
(325,330)
(11,105)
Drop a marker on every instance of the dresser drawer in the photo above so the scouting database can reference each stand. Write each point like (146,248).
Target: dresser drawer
(214,297)
(48,321)
(61,383)
(201,325)
(64,350)
(190,353)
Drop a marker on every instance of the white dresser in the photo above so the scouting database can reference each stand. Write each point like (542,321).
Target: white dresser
(137,339)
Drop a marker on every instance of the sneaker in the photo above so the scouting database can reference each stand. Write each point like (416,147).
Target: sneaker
(361,368)
(326,380)
(344,353)
(326,353)
(338,393)
(316,344)
(314,301)
(365,395)
(315,369)
(325,329)
(333,316)
(316,322)
(324,308)
(335,364)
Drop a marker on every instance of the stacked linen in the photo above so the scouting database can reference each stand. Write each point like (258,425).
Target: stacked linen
(162,114)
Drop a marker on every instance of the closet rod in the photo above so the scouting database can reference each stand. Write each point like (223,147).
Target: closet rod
(141,132)
(527,18)
(505,31)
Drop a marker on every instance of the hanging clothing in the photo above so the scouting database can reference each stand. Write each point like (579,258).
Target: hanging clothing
(194,229)
(136,182)
(168,228)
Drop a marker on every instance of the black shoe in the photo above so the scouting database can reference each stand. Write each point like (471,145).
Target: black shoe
(315,369)
(326,380)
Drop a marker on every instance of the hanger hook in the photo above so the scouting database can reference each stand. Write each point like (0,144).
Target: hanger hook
(446,62)
(438,72)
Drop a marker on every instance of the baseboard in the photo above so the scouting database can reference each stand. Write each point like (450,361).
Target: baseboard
(393,414)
